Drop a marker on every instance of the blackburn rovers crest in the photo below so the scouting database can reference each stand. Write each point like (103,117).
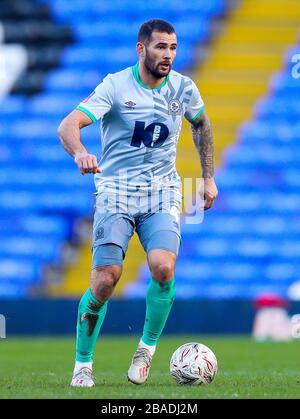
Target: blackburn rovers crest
(174,107)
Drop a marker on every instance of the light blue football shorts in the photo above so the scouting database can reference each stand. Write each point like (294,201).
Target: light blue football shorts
(155,218)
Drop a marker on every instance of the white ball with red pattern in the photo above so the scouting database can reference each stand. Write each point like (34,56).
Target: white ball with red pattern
(193,364)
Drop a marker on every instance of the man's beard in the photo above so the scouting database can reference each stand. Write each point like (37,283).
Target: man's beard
(154,69)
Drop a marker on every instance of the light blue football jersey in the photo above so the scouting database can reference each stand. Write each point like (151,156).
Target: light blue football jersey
(140,128)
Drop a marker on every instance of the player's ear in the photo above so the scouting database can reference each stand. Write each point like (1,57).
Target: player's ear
(140,49)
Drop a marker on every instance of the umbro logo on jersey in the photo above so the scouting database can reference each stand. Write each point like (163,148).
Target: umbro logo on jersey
(130,104)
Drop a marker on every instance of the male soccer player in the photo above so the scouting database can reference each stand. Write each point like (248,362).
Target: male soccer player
(138,187)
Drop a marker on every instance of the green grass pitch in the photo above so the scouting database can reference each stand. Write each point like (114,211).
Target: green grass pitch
(41,368)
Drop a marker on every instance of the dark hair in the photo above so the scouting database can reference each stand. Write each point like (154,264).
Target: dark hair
(154,25)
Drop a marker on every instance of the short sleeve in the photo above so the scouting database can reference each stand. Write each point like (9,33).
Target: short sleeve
(195,107)
(100,101)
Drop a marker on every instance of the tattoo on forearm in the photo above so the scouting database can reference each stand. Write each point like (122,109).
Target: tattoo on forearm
(203,139)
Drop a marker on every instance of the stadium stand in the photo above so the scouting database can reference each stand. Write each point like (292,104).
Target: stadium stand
(30,24)
(68,51)
(250,241)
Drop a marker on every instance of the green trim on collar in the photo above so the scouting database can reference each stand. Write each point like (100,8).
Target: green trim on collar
(135,72)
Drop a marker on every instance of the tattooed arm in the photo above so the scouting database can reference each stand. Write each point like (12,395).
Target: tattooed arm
(203,140)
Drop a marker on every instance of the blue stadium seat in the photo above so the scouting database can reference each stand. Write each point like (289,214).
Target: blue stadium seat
(35,226)
(12,106)
(279,132)
(89,57)
(63,10)
(274,108)
(70,81)
(20,271)
(39,249)
(39,128)
(50,179)
(47,202)
(42,196)
(56,106)
(285,82)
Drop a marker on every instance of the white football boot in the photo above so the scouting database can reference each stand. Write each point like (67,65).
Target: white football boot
(140,366)
(83,378)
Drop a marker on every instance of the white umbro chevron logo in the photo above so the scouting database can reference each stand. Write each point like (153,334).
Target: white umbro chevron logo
(130,104)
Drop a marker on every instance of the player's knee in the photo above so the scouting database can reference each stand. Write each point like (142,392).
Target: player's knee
(163,271)
(104,280)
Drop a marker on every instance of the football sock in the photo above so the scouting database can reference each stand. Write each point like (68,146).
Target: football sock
(91,314)
(159,302)
(151,348)
(79,365)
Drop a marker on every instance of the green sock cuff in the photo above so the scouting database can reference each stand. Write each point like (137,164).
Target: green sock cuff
(90,304)
(90,295)
(163,286)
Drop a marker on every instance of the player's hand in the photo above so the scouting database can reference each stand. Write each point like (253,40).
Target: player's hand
(87,163)
(210,193)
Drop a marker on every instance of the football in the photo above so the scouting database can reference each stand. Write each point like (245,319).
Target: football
(193,364)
